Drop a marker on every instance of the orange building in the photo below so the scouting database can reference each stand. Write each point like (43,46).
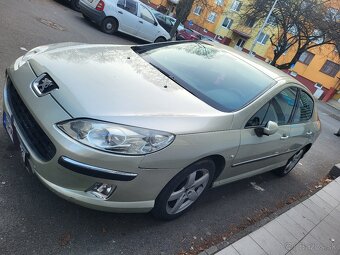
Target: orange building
(318,68)
(207,15)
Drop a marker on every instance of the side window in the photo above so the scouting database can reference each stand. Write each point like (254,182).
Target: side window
(168,21)
(304,110)
(128,5)
(278,109)
(258,117)
(284,104)
(146,15)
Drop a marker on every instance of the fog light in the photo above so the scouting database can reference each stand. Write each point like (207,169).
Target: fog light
(101,190)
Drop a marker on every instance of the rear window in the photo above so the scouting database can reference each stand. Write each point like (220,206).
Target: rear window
(216,77)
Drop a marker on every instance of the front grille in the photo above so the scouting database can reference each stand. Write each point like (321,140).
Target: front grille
(35,136)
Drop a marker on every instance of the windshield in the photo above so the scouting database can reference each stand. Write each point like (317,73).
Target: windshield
(218,78)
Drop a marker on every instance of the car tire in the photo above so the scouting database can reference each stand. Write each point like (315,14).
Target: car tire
(109,25)
(160,39)
(178,196)
(75,5)
(291,163)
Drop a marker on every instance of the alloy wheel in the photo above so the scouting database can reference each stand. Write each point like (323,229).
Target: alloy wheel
(293,161)
(188,191)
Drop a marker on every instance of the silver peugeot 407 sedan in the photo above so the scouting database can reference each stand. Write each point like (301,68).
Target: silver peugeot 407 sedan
(150,128)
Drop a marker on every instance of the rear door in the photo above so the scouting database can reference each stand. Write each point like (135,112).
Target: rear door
(260,154)
(302,129)
(127,16)
(148,26)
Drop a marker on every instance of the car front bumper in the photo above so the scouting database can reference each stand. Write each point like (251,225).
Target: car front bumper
(136,188)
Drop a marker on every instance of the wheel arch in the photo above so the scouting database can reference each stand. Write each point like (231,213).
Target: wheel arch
(306,148)
(161,36)
(111,17)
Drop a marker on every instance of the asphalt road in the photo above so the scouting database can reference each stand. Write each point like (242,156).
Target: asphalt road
(35,221)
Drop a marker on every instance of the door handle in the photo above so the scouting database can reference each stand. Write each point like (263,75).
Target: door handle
(141,22)
(120,12)
(284,137)
(309,133)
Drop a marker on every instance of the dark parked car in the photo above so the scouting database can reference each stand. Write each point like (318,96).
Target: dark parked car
(187,34)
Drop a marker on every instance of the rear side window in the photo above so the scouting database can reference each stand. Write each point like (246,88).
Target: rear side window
(304,110)
(128,5)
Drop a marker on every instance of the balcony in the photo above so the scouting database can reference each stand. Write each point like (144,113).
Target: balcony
(243,31)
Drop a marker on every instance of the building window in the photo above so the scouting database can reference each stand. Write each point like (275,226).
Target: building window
(212,17)
(306,57)
(227,23)
(236,6)
(272,21)
(219,2)
(198,10)
(330,68)
(263,38)
(250,22)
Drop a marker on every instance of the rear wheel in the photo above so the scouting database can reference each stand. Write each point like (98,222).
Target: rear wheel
(160,39)
(290,164)
(184,190)
(75,5)
(109,25)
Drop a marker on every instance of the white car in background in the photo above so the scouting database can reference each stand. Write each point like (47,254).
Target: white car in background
(128,16)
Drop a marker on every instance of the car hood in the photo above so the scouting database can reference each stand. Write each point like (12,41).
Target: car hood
(113,83)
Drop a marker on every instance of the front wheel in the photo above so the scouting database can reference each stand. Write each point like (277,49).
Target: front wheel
(183,190)
(109,25)
(290,164)
(160,39)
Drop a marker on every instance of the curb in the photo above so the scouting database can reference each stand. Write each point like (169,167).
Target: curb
(335,171)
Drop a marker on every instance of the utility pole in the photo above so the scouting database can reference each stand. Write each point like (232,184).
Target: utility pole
(260,31)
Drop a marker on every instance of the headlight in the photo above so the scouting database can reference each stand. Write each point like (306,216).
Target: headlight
(22,60)
(116,138)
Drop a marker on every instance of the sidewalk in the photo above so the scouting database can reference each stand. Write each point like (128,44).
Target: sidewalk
(311,227)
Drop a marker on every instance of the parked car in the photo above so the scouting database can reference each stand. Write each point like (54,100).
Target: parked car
(128,16)
(188,34)
(150,128)
(165,21)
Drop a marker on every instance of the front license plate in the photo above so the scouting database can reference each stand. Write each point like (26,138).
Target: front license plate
(8,125)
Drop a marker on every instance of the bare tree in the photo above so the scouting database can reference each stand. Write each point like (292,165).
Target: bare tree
(300,25)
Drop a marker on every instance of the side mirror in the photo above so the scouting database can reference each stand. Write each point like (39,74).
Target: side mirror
(269,129)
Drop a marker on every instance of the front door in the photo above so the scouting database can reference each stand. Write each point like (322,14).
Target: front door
(262,153)
(147,29)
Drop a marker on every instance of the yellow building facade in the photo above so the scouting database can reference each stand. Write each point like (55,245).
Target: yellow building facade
(243,32)
(207,15)
(318,65)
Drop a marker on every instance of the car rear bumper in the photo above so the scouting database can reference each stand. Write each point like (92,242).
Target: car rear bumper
(91,13)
